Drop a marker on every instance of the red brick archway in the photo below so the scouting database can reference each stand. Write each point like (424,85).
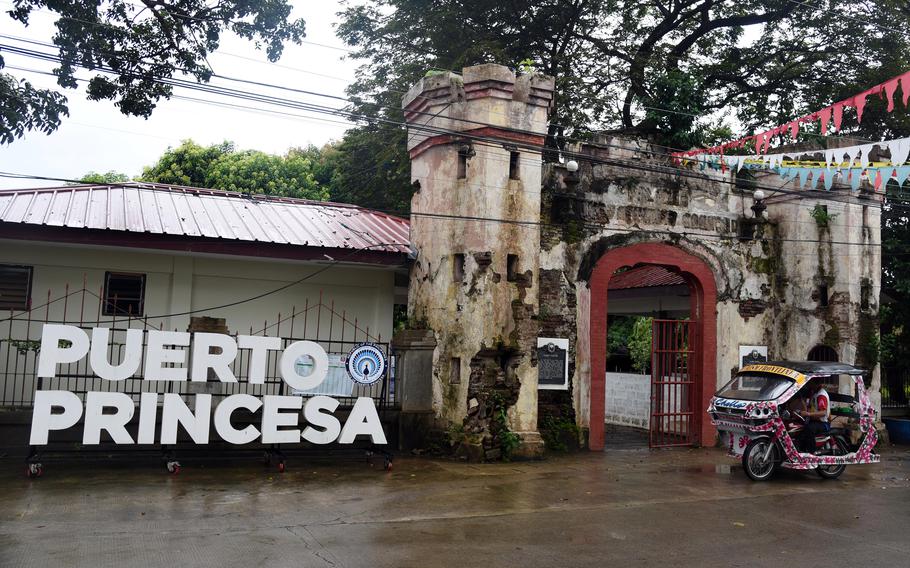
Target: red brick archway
(703,309)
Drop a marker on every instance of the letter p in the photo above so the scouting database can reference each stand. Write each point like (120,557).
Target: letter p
(43,420)
(52,352)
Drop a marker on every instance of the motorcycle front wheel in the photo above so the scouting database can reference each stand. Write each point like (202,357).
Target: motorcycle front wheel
(754,463)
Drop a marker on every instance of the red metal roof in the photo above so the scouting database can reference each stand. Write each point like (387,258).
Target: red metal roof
(204,214)
(645,277)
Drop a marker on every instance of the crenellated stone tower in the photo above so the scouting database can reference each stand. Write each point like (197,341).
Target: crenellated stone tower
(474,142)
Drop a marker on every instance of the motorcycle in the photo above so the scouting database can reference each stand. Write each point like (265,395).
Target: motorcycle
(751,416)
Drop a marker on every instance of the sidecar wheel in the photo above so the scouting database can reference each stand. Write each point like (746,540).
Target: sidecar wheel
(754,465)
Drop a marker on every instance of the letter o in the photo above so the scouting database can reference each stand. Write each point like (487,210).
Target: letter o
(289,358)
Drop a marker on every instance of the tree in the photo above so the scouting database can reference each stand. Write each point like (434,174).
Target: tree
(104,178)
(132,46)
(895,315)
(653,67)
(372,170)
(188,164)
(220,166)
(640,344)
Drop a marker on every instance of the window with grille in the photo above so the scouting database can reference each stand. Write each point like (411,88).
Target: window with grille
(15,287)
(124,294)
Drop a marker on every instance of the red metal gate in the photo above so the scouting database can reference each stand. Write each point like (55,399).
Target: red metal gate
(673,367)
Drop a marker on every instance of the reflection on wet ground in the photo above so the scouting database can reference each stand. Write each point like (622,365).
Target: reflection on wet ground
(640,507)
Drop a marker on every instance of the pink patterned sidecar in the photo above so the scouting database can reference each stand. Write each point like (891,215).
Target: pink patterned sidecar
(752,417)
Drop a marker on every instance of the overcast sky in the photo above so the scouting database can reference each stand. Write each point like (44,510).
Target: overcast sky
(96,137)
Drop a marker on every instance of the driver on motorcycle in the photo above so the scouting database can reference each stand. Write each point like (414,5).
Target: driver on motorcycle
(816,415)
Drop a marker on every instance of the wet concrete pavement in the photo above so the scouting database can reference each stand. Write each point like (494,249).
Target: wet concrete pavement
(640,508)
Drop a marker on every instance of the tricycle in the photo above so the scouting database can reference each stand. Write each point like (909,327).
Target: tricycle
(760,415)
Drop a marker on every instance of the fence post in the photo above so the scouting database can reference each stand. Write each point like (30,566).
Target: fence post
(413,350)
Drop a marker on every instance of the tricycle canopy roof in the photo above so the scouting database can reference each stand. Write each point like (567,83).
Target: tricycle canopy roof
(800,371)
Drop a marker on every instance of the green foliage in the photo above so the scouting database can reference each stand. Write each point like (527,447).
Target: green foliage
(23,108)
(894,315)
(103,178)
(372,169)
(507,440)
(821,215)
(619,331)
(140,43)
(657,68)
(640,344)
(220,166)
(559,432)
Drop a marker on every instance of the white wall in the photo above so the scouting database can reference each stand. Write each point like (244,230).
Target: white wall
(182,283)
(628,399)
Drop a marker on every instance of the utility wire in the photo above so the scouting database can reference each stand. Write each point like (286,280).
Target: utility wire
(224,91)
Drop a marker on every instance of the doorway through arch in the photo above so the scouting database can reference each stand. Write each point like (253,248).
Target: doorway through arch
(703,301)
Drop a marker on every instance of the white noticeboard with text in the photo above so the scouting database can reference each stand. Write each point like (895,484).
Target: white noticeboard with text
(552,363)
(752,354)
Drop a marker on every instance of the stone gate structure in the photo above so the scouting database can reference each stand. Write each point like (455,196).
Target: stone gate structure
(510,248)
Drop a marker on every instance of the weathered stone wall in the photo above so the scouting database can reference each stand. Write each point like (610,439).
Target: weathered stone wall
(482,310)
(768,287)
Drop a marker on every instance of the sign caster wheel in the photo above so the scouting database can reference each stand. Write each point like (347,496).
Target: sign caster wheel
(388,465)
(281,467)
(173,467)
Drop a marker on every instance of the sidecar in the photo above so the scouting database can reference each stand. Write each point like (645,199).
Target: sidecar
(751,416)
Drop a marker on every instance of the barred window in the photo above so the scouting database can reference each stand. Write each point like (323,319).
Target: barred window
(124,294)
(15,287)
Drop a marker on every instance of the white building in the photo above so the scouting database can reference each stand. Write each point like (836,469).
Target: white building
(179,258)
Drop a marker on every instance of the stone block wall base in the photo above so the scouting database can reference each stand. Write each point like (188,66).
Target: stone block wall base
(531,447)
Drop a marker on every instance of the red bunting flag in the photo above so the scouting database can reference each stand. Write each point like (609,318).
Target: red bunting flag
(825,115)
(838,115)
(890,88)
(834,112)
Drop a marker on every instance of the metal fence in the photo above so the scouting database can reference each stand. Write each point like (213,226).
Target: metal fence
(317,321)
(895,388)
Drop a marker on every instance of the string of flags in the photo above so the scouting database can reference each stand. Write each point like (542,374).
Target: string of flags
(828,116)
(851,164)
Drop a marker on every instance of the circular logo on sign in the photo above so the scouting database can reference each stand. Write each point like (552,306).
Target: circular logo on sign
(366,364)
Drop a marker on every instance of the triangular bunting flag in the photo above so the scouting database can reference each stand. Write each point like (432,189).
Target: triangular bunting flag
(828,178)
(794,129)
(901,174)
(879,180)
(864,151)
(825,116)
(838,116)
(900,150)
(855,178)
(816,173)
(859,101)
(905,87)
(890,88)
(803,176)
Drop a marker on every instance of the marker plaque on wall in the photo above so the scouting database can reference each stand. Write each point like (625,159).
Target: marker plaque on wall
(552,363)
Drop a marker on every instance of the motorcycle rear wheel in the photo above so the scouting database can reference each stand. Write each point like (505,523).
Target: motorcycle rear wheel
(834,471)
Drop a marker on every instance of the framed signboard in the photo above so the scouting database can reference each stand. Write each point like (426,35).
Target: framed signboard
(552,363)
(751,354)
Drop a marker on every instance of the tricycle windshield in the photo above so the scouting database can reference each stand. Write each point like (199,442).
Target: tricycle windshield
(755,386)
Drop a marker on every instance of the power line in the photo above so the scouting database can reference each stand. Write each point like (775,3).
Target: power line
(224,91)
(529,223)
